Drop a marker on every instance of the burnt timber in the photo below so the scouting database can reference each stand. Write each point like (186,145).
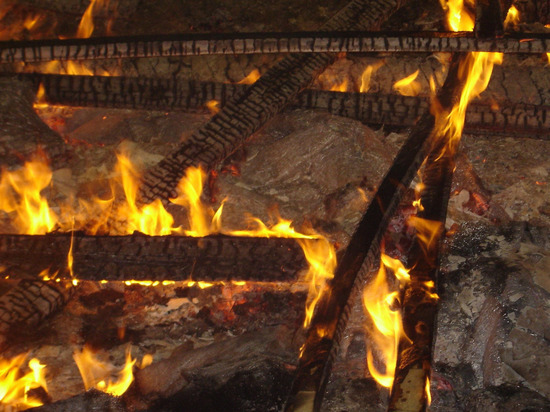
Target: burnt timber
(154,258)
(495,117)
(264,43)
(243,116)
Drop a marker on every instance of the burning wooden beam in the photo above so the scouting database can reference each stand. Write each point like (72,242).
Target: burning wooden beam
(495,117)
(243,116)
(264,43)
(153,258)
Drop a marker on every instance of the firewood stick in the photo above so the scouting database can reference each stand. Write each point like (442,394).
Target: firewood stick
(332,310)
(243,116)
(263,43)
(154,258)
(494,117)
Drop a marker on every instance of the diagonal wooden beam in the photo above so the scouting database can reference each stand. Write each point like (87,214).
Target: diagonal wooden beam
(259,103)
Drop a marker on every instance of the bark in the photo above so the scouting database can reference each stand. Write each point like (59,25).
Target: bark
(28,303)
(160,258)
(243,116)
(263,43)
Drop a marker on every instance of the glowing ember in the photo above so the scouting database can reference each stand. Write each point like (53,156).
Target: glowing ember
(379,302)
(408,86)
(15,387)
(251,78)
(102,375)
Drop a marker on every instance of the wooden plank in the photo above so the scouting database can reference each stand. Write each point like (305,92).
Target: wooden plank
(154,258)
(263,43)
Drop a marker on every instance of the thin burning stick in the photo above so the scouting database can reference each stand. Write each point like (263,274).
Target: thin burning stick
(332,310)
(263,43)
(518,119)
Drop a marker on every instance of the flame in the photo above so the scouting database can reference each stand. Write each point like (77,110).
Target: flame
(86,26)
(379,302)
(427,231)
(151,219)
(14,388)
(213,106)
(512,18)
(251,78)
(340,87)
(458,17)
(428,392)
(20,194)
(408,86)
(367,74)
(98,374)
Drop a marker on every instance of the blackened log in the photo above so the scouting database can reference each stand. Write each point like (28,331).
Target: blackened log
(92,400)
(332,310)
(28,303)
(154,258)
(374,109)
(263,43)
(243,116)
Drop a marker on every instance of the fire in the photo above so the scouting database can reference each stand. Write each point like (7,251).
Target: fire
(379,302)
(458,17)
(427,231)
(99,375)
(428,392)
(408,86)
(14,387)
(340,87)
(213,106)
(86,26)
(251,78)
(367,74)
(20,194)
(512,18)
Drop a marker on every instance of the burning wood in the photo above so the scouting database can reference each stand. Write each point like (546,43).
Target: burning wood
(491,117)
(262,43)
(163,258)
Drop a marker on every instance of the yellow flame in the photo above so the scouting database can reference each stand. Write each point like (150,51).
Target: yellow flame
(428,392)
(20,193)
(151,219)
(408,86)
(458,17)
(512,17)
(14,388)
(251,78)
(378,302)
(99,375)
(427,231)
(367,74)
(86,26)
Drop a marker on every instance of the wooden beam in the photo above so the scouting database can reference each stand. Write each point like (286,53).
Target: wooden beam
(98,48)
(154,258)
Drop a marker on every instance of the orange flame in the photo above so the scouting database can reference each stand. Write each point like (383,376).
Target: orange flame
(99,375)
(428,392)
(213,106)
(512,18)
(20,193)
(251,78)
(378,302)
(367,74)
(14,388)
(86,26)
(427,231)
(408,86)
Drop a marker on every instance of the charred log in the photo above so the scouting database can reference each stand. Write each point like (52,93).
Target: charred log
(91,400)
(141,257)
(243,116)
(494,118)
(262,43)
(28,303)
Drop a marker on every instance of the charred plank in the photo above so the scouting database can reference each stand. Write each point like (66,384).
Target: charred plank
(140,257)
(263,43)
(376,109)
